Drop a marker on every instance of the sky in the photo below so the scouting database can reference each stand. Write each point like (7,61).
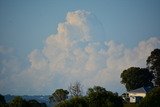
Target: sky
(49,44)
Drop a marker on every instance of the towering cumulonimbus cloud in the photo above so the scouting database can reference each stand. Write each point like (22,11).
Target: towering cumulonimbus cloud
(79,51)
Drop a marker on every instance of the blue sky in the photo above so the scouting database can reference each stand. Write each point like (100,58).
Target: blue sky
(25,27)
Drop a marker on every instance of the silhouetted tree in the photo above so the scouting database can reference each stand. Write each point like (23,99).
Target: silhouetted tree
(59,95)
(135,77)
(153,63)
(2,101)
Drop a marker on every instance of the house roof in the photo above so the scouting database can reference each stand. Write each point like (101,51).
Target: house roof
(141,90)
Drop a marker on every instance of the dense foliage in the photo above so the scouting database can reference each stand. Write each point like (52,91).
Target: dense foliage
(73,102)
(153,63)
(99,97)
(135,77)
(96,97)
(34,103)
(18,102)
(152,99)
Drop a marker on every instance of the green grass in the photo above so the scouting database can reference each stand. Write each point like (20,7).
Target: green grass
(130,105)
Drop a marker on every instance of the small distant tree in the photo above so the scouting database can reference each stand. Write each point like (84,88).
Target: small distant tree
(135,77)
(153,63)
(75,89)
(59,95)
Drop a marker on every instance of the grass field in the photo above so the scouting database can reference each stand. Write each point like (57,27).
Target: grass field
(130,105)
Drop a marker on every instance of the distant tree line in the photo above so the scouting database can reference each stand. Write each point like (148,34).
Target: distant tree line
(20,102)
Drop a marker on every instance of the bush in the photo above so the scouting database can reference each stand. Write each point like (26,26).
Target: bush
(152,99)
(74,102)
(99,97)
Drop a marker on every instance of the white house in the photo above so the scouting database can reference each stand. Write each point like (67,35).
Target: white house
(137,94)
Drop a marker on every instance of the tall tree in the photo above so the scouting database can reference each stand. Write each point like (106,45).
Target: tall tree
(59,95)
(2,101)
(153,63)
(75,89)
(135,77)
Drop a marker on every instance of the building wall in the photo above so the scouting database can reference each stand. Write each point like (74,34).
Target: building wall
(137,94)
(133,96)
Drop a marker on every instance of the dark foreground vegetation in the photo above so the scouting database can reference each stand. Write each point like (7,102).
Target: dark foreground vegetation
(20,102)
(132,78)
(96,97)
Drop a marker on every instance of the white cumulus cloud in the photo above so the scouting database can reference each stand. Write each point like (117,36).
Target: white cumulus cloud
(80,52)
